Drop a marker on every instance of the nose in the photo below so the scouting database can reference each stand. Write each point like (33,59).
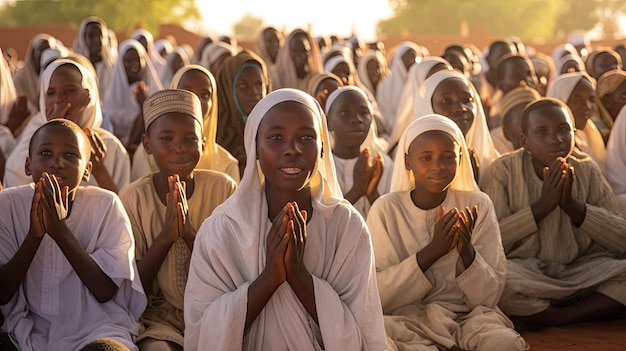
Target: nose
(556,138)
(56,162)
(292,147)
(178,146)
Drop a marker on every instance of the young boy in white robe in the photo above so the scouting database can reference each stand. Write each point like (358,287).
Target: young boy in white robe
(285,263)
(561,226)
(167,207)
(363,168)
(66,252)
(439,259)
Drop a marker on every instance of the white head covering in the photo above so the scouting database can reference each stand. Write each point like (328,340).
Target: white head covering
(91,117)
(80,44)
(7,90)
(562,50)
(157,60)
(49,55)
(362,68)
(403,180)
(243,206)
(26,79)
(119,102)
(589,138)
(213,51)
(405,112)
(616,154)
(558,66)
(167,73)
(371,140)
(161,44)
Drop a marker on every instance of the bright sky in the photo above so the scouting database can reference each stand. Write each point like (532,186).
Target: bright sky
(325,16)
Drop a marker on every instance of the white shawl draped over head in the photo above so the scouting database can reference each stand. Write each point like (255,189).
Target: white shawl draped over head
(157,60)
(7,90)
(561,88)
(403,180)
(361,68)
(27,79)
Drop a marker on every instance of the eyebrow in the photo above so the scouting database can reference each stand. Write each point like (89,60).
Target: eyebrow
(279,127)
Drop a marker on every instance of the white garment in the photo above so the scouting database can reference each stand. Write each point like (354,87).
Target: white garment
(500,142)
(229,253)
(104,68)
(158,62)
(53,310)
(7,99)
(616,159)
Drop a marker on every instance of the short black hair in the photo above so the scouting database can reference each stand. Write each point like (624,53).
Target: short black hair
(541,103)
(505,61)
(62,122)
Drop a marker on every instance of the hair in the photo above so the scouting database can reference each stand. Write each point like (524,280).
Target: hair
(508,59)
(542,103)
(75,128)
(105,344)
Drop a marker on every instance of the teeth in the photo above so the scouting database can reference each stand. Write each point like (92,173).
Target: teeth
(291,170)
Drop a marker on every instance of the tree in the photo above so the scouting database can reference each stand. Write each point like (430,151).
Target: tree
(527,19)
(120,15)
(247,27)
(584,14)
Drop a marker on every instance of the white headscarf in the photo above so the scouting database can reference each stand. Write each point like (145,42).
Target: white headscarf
(26,80)
(478,136)
(105,67)
(589,138)
(167,73)
(157,60)
(7,90)
(403,180)
(616,155)
(243,206)
(213,51)
(558,66)
(405,112)
(362,68)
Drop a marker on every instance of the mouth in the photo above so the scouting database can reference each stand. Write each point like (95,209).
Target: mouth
(557,153)
(291,171)
(439,179)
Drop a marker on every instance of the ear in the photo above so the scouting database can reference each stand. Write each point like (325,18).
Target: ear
(145,140)
(522,139)
(87,174)
(88,97)
(27,167)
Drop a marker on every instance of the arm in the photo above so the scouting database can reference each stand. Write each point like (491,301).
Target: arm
(361,178)
(98,153)
(377,172)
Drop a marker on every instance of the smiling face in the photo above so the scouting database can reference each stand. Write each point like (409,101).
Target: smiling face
(250,88)
(175,141)
(198,83)
(454,99)
(581,102)
(349,118)
(433,157)
(133,66)
(66,86)
(60,151)
(547,133)
(288,146)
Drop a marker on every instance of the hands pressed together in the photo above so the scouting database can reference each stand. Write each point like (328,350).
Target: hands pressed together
(50,208)
(177,224)
(556,191)
(367,175)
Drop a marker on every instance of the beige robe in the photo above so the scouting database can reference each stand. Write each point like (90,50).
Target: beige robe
(163,318)
(553,260)
(447,304)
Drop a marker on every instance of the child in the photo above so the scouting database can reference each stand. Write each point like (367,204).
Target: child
(66,251)
(92,41)
(69,90)
(268,42)
(275,277)
(298,60)
(616,160)
(322,85)
(242,82)
(372,69)
(610,97)
(166,209)
(506,137)
(560,224)
(363,168)
(440,275)
(601,61)
(200,81)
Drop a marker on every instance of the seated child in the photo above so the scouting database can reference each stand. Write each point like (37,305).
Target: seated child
(439,259)
(363,168)
(506,137)
(265,275)
(561,227)
(66,252)
(166,209)
(200,81)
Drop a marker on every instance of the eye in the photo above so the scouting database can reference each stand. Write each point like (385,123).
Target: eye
(308,137)
(275,137)
(425,158)
(45,153)
(446,101)
(50,92)
(165,138)
(205,96)
(344,113)
(242,86)
(71,155)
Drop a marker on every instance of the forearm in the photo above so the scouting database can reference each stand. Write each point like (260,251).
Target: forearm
(302,285)
(136,131)
(150,264)
(373,196)
(353,195)
(576,211)
(104,179)
(259,294)
(12,274)
(98,283)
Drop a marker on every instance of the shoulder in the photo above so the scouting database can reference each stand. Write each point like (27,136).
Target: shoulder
(10,196)
(95,193)
(111,140)
(393,199)
(471,198)
(214,179)
(139,186)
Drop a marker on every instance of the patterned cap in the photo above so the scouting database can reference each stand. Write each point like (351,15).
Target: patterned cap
(171,100)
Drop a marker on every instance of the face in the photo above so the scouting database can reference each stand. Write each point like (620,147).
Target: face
(288,147)
(342,70)
(58,151)
(350,119)
(570,66)
(198,83)
(300,51)
(250,88)
(516,73)
(604,63)
(582,102)
(615,100)
(93,38)
(133,67)
(498,50)
(549,135)
(65,86)
(272,43)
(542,71)
(408,58)
(175,141)
(454,99)
(373,71)
(144,42)
(433,157)
(326,87)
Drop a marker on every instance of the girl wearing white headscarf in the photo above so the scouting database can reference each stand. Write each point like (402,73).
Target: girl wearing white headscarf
(372,55)
(390,89)
(230,254)
(158,61)
(286,72)
(115,161)
(214,156)
(27,78)
(104,67)
(7,98)
(453,302)
(119,103)
(588,138)
(175,60)
(616,159)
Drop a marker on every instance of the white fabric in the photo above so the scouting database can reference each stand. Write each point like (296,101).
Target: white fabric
(27,78)
(500,142)
(558,65)
(104,68)
(168,73)
(616,156)
(158,61)
(119,102)
(213,51)
(53,310)
(361,68)
(7,99)
(229,254)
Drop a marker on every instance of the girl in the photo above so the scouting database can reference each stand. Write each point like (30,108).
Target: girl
(27,78)
(298,60)
(174,61)
(363,167)
(215,54)
(610,97)
(69,90)
(440,274)
(276,277)
(601,61)
(268,43)
(146,39)
(322,85)
(200,81)
(242,83)
(92,41)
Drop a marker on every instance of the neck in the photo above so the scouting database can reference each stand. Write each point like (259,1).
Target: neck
(346,152)
(426,200)
(277,199)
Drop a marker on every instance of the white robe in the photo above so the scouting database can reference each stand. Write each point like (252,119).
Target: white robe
(53,310)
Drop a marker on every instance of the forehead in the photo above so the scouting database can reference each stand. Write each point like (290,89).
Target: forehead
(288,114)
(432,140)
(192,78)
(251,72)
(55,134)
(351,97)
(450,85)
(547,116)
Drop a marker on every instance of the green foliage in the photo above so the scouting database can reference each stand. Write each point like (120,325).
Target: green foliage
(528,19)
(121,15)
(247,27)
